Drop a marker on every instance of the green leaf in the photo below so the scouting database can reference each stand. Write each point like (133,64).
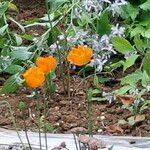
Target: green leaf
(132,10)
(3,7)
(21,54)
(132,79)
(145,6)
(103,26)
(18,39)
(115,65)
(145,79)
(138,43)
(27,37)
(146,63)
(122,45)
(12,7)
(138,30)
(130,61)
(146,104)
(22,106)
(3,29)
(123,90)
(10,85)
(55,4)
(13,69)
(147,33)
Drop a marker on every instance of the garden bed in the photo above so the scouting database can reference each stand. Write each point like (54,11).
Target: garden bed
(67,116)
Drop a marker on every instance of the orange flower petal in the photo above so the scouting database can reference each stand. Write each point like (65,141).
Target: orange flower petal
(80,56)
(47,64)
(34,77)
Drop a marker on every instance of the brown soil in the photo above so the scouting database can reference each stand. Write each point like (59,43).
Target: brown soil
(71,115)
(63,114)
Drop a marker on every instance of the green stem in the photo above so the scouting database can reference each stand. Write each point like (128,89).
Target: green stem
(90,125)
(38,116)
(5,21)
(25,129)
(13,120)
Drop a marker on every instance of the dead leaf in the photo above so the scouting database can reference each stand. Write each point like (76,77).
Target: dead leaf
(114,129)
(136,119)
(139,118)
(91,142)
(95,144)
(61,146)
(84,139)
(126,99)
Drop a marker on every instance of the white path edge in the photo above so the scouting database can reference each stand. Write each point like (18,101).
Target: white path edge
(9,137)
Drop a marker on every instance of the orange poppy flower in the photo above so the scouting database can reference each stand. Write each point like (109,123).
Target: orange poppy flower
(47,64)
(34,77)
(80,56)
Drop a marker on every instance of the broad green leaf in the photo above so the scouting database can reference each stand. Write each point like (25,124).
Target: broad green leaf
(132,79)
(3,29)
(27,37)
(129,61)
(132,10)
(146,104)
(12,7)
(122,45)
(138,30)
(145,79)
(13,69)
(55,4)
(138,43)
(146,63)
(20,54)
(114,66)
(129,11)
(103,26)
(10,85)
(145,6)
(18,39)
(147,33)
(3,7)
(123,90)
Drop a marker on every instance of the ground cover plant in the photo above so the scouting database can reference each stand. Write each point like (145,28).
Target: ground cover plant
(79,66)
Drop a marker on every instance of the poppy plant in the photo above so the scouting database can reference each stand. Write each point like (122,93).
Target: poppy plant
(46,64)
(34,77)
(80,56)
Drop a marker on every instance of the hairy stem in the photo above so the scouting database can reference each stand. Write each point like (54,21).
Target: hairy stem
(13,120)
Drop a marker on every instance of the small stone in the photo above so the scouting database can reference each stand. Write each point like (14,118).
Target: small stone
(102,117)
(99,130)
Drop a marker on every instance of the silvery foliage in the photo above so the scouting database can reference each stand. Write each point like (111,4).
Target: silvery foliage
(101,46)
(109,96)
(116,6)
(118,31)
(103,49)
(94,5)
(97,6)
(5,62)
